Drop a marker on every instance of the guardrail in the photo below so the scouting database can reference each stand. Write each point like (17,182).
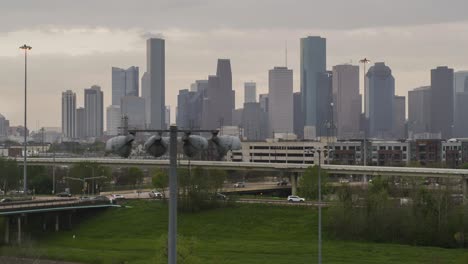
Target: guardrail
(48,203)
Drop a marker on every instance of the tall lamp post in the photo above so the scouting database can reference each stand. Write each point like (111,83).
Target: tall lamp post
(25,143)
(364,62)
(319,152)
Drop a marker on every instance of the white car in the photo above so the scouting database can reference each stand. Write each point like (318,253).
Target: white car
(118,196)
(295,198)
(239,185)
(155,194)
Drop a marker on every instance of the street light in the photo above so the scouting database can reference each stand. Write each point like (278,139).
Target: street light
(319,152)
(364,62)
(25,177)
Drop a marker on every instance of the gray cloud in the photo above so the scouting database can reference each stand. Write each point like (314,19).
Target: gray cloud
(207,14)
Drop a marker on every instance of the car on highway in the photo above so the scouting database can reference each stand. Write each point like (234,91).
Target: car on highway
(155,194)
(101,198)
(117,197)
(295,198)
(239,185)
(220,196)
(282,183)
(64,194)
(86,198)
(6,200)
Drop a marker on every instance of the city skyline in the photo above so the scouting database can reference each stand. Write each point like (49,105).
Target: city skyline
(349,37)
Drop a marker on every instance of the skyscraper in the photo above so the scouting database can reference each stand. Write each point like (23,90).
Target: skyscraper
(133,107)
(346,101)
(4,126)
(399,117)
(442,101)
(419,110)
(124,82)
(81,123)
(114,117)
(380,103)
(69,114)
(313,60)
(218,103)
(167,116)
(156,69)
(280,95)
(146,94)
(254,122)
(250,92)
(263,100)
(324,104)
(298,116)
(94,109)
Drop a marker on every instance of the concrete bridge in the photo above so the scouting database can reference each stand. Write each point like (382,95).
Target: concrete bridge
(60,211)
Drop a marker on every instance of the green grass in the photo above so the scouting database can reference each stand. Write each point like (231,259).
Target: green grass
(245,234)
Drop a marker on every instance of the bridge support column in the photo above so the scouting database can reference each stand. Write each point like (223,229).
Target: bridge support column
(70,221)
(7,230)
(19,229)
(44,223)
(294,183)
(57,223)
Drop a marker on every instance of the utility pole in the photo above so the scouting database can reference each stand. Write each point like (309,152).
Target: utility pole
(25,145)
(172,230)
(364,62)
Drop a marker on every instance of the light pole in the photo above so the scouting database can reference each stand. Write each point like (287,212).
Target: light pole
(83,180)
(25,177)
(364,62)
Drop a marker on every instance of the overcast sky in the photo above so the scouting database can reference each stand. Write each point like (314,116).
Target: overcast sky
(75,43)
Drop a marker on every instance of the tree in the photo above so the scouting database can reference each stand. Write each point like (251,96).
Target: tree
(308,183)
(86,170)
(160,180)
(130,176)
(9,174)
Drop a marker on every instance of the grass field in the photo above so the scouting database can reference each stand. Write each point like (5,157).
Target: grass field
(245,234)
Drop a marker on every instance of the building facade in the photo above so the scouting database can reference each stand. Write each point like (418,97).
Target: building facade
(399,117)
(347,105)
(94,111)
(69,114)
(313,60)
(379,104)
(442,101)
(156,70)
(419,111)
(124,82)
(250,92)
(81,123)
(280,96)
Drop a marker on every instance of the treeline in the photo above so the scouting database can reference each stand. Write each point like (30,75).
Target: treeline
(198,188)
(425,217)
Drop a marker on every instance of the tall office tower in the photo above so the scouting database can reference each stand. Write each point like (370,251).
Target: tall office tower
(254,122)
(183,115)
(124,82)
(298,115)
(461,117)
(199,85)
(347,105)
(313,61)
(167,116)
(4,126)
(263,100)
(442,101)
(156,69)
(250,92)
(81,123)
(399,117)
(458,86)
(379,105)
(69,114)
(419,111)
(133,107)
(227,103)
(280,95)
(218,103)
(146,94)
(94,111)
(324,105)
(237,117)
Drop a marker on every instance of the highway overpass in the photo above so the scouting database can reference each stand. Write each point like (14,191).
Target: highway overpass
(292,169)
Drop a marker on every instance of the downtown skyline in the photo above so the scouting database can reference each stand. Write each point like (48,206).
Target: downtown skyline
(406,45)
